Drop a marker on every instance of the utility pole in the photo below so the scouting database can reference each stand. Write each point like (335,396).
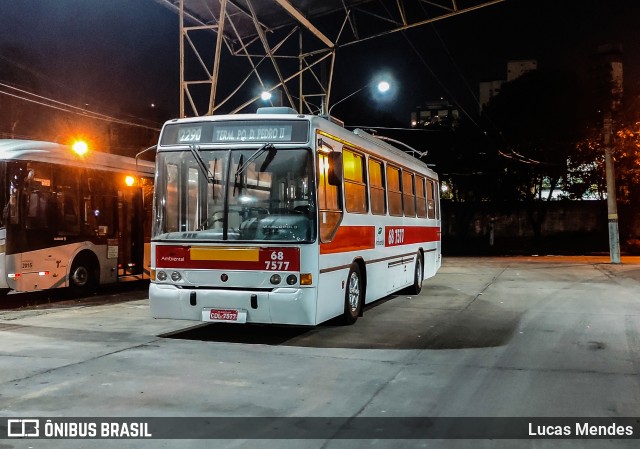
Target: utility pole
(610,62)
(612,208)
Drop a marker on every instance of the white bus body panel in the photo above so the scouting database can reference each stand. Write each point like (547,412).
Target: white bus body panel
(49,268)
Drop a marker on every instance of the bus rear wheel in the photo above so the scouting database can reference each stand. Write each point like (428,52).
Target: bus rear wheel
(353,295)
(418,275)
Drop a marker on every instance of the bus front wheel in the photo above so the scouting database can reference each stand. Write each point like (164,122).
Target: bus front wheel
(353,295)
(82,277)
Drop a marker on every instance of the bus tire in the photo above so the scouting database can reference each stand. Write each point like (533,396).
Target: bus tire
(353,295)
(418,276)
(83,275)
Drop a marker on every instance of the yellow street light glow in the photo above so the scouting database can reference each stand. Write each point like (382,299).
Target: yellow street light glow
(80,147)
(129,180)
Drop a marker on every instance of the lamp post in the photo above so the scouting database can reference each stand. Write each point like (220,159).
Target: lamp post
(383,86)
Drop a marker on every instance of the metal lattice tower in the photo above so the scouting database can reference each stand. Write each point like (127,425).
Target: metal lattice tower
(291,43)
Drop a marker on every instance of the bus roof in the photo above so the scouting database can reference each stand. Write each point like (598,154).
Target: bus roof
(39,151)
(359,139)
(364,140)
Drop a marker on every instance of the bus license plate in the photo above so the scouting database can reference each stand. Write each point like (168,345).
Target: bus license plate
(225,315)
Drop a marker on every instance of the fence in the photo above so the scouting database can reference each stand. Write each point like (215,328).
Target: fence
(555,227)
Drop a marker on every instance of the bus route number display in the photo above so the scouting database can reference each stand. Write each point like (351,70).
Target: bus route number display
(238,131)
(189,134)
(252,133)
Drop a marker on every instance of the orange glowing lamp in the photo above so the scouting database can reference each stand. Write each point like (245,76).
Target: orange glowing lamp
(80,147)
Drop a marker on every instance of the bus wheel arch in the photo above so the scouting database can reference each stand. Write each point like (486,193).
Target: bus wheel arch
(354,292)
(84,274)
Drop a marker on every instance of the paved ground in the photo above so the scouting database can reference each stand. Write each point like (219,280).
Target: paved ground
(487,337)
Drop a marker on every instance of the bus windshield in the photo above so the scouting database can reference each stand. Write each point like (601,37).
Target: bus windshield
(249,194)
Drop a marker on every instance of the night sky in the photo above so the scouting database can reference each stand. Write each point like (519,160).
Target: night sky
(120,55)
(115,54)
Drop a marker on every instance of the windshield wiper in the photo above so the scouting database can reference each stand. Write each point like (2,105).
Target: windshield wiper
(195,151)
(266,147)
(242,167)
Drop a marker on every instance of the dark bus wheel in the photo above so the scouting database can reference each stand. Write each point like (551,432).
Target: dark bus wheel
(353,295)
(82,276)
(418,274)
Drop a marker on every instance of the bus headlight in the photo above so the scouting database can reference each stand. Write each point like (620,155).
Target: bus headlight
(161,275)
(275,279)
(292,279)
(176,277)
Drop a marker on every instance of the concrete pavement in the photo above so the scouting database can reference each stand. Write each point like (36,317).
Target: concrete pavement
(504,337)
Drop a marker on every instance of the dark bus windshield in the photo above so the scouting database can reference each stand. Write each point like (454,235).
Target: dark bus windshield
(254,194)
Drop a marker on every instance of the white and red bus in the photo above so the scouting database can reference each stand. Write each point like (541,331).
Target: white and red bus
(72,220)
(277,217)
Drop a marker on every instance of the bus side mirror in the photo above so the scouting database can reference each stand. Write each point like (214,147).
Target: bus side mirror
(335,168)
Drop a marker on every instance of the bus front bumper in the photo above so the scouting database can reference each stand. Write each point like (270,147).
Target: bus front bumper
(278,306)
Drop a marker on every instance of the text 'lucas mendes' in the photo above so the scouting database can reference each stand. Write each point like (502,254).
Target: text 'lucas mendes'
(580,429)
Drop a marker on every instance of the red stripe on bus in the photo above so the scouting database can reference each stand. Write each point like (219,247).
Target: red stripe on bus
(407,235)
(270,259)
(350,238)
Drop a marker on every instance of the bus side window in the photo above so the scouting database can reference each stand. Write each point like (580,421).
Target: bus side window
(408,194)
(89,217)
(100,205)
(394,194)
(421,205)
(66,183)
(329,204)
(106,210)
(37,207)
(36,197)
(12,205)
(69,208)
(431,200)
(436,196)
(376,188)
(355,189)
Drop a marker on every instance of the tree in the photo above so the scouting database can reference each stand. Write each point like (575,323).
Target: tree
(537,121)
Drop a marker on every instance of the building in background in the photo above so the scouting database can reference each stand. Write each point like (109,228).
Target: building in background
(515,69)
(436,114)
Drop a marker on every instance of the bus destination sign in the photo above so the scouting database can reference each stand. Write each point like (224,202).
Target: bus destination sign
(238,131)
(252,132)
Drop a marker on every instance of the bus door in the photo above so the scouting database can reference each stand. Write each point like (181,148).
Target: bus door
(130,232)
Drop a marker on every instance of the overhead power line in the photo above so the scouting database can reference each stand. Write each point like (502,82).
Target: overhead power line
(30,97)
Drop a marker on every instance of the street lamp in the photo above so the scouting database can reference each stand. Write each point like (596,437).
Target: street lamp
(274,96)
(80,147)
(383,87)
